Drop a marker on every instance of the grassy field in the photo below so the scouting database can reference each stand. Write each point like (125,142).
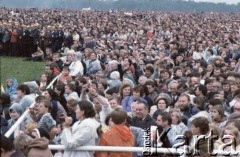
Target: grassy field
(22,70)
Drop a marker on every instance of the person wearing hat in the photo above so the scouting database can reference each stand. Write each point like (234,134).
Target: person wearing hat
(15,112)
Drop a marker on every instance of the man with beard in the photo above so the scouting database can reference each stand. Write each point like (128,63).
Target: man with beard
(186,107)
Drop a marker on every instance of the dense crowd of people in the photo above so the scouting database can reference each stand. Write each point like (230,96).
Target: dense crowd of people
(112,77)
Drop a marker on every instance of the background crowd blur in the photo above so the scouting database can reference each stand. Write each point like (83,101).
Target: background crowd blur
(119,74)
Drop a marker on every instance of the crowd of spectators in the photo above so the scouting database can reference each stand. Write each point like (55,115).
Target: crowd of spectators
(119,75)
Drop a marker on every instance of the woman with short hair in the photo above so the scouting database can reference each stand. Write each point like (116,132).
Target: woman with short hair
(82,133)
(138,94)
(162,105)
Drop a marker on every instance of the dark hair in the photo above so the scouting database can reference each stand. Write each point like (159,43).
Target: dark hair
(223,75)
(139,89)
(129,121)
(150,68)
(226,83)
(52,94)
(215,102)
(217,77)
(166,116)
(211,51)
(150,83)
(146,106)
(71,86)
(24,88)
(50,66)
(202,89)
(88,108)
(207,81)
(82,80)
(129,60)
(199,101)
(48,59)
(167,71)
(119,116)
(5,99)
(157,100)
(6,143)
(177,68)
(60,87)
(176,77)
(107,119)
(43,133)
(125,86)
(112,90)
(66,67)
(201,123)
(47,104)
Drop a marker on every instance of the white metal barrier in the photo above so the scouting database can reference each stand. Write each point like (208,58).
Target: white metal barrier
(149,150)
(100,148)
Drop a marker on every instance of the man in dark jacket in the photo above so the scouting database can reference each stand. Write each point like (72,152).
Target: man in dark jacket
(142,119)
(186,107)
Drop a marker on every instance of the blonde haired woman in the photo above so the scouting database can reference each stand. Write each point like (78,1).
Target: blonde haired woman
(229,135)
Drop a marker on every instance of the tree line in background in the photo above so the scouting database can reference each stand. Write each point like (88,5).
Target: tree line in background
(143,5)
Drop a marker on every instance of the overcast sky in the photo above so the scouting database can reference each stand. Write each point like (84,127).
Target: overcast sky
(217,1)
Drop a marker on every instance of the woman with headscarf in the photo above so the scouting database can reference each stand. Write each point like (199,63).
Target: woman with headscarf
(11,88)
(15,112)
